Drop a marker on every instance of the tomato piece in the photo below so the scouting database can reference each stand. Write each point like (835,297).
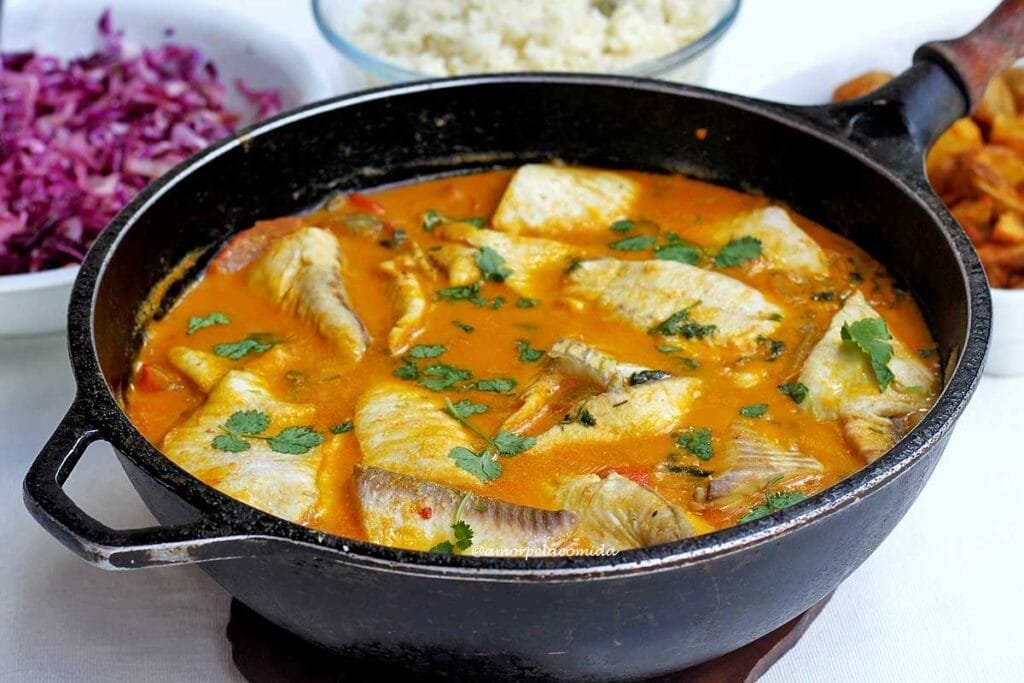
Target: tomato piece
(640,475)
(246,246)
(153,377)
(365,203)
(426,513)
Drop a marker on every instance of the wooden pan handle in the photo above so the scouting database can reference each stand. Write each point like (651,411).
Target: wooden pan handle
(975,57)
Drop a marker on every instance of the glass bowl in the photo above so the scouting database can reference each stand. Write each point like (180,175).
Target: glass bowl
(687,64)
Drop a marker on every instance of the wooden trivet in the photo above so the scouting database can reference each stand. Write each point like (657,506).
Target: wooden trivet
(265,653)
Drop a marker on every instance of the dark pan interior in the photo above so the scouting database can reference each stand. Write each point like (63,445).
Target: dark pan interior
(280,170)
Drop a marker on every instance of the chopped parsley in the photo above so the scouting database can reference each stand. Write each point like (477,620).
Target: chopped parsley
(342,427)
(498,385)
(524,302)
(775,317)
(738,252)
(201,322)
(690,363)
(665,348)
(871,336)
(465,327)
(244,425)
(624,225)
(527,354)
(754,410)
(460,292)
(427,350)
(679,324)
(635,243)
(644,376)
(483,466)
(824,296)
(433,218)
(772,501)
(696,441)
(773,348)
(463,540)
(574,264)
(683,253)
(497,302)
(466,408)
(407,370)
(510,443)
(586,419)
(688,469)
(795,390)
(259,342)
(491,265)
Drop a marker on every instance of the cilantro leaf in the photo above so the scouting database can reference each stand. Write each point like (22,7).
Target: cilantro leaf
(697,441)
(463,535)
(468,329)
(772,501)
(679,324)
(509,443)
(230,443)
(586,419)
(526,354)
(247,422)
(295,440)
(201,322)
(688,469)
(795,390)
(644,376)
(491,265)
(754,410)
(523,302)
(460,292)
(407,370)
(440,376)
(683,253)
(498,385)
(466,408)
(497,302)
(665,348)
(690,363)
(443,548)
(342,427)
(254,343)
(427,350)
(431,219)
(635,243)
(738,252)
(482,465)
(871,336)
(624,225)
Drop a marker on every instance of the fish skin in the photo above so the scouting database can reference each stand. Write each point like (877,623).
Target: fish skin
(535,262)
(392,509)
(785,246)
(410,302)
(751,461)
(645,293)
(301,272)
(557,201)
(841,385)
(617,513)
(205,369)
(277,483)
(403,428)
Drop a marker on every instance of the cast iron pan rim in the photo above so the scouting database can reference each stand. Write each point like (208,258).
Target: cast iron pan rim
(243,520)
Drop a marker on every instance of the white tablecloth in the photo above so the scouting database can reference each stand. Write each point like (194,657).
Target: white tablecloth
(941,599)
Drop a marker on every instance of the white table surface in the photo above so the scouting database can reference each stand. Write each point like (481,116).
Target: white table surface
(941,599)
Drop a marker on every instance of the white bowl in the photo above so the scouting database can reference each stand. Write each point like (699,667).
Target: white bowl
(36,303)
(1006,353)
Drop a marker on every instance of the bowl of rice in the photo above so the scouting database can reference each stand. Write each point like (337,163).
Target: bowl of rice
(95,104)
(391,41)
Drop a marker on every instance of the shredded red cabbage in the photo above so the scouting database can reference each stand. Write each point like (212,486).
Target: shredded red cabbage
(79,139)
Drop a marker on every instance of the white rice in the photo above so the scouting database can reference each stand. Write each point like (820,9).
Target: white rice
(452,37)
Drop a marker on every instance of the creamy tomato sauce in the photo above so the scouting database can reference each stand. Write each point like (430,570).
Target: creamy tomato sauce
(489,340)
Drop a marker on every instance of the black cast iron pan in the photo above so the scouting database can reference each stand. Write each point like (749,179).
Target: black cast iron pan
(856,168)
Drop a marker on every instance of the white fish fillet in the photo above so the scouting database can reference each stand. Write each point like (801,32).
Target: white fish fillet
(532,260)
(281,484)
(410,303)
(302,273)
(784,245)
(406,512)
(402,428)
(646,293)
(752,460)
(841,385)
(548,200)
(617,513)
(205,369)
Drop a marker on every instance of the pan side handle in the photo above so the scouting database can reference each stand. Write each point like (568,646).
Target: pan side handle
(100,545)
(975,57)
